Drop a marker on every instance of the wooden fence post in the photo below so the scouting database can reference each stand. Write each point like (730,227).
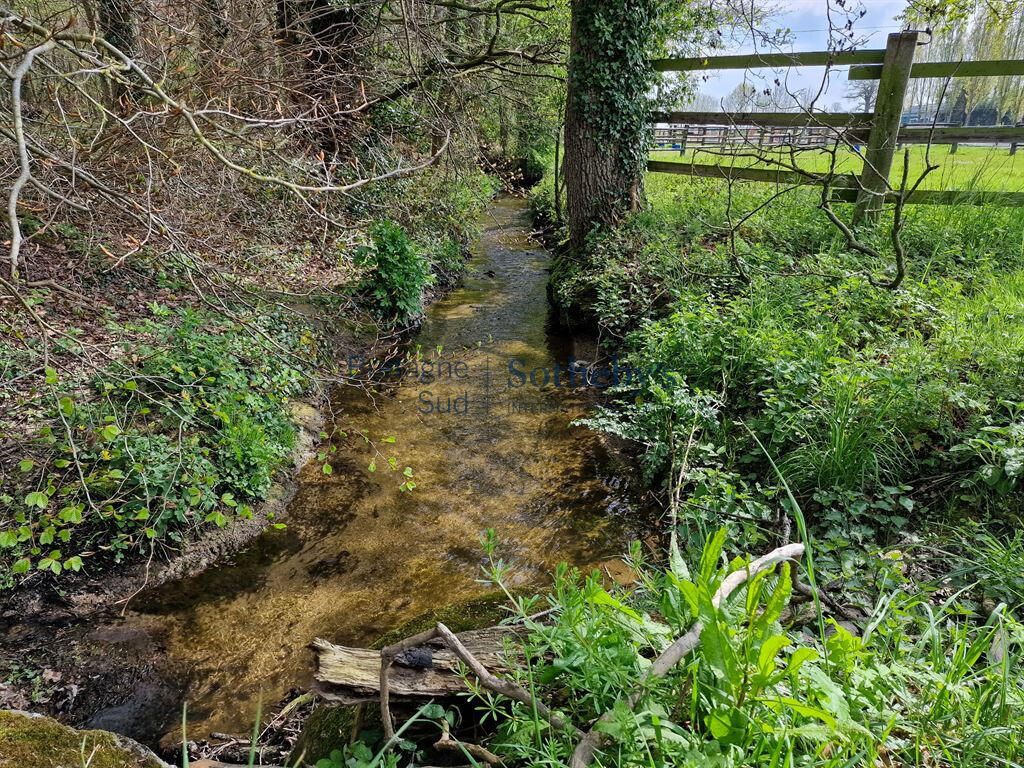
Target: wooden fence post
(885,128)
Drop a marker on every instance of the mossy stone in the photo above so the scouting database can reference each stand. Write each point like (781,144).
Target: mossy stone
(28,741)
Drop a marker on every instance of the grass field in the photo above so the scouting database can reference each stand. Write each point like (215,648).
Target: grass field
(971,168)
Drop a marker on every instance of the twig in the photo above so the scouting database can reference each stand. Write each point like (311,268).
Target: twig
(474,750)
(24,160)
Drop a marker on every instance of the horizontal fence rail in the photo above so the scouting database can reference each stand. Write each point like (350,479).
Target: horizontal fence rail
(994,68)
(767,119)
(756,60)
(691,137)
(719,129)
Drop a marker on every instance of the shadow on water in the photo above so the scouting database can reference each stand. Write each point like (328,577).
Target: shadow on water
(489,445)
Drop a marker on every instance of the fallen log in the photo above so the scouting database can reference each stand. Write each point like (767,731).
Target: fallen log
(352,675)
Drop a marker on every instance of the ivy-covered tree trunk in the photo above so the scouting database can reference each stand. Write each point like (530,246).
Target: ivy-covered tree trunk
(606,111)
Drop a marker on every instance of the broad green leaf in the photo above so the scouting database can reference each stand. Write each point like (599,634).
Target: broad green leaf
(719,724)
(806,710)
(777,600)
(676,561)
(601,597)
(37,499)
(769,650)
(710,556)
(799,657)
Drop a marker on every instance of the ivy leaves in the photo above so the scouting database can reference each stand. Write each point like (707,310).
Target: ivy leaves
(613,75)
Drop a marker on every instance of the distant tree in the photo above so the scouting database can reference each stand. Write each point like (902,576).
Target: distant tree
(703,102)
(780,99)
(864,92)
(742,98)
(117,26)
(958,114)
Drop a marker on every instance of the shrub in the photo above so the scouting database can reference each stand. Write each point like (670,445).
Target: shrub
(396,273)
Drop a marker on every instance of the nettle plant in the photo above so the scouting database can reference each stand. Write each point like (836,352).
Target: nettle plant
(190,436)
(915,685)
(395,272)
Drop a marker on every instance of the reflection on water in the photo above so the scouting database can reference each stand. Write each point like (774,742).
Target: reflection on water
(360,556)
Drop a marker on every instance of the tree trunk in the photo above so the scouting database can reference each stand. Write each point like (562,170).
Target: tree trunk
(606,112)
(323,35)
(117,25)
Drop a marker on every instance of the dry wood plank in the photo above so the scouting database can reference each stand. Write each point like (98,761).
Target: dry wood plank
(352,675)
(754,60)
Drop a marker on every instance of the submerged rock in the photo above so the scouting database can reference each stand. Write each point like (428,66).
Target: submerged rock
(28,739)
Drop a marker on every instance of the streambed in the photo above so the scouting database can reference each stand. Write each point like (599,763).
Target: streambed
(486,435)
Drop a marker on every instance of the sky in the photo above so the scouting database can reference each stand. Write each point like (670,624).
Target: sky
(809,23)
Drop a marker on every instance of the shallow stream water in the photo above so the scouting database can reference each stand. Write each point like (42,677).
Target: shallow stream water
(488,448)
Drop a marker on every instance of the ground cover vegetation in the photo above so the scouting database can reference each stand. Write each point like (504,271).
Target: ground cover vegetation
(891,419)
(810,397)
(972,169)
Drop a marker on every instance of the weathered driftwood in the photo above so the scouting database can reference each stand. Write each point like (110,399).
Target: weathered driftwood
(352,675)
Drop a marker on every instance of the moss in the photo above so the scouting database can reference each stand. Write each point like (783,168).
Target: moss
(40,741)
(327,728)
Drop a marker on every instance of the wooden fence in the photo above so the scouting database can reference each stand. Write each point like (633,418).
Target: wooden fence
(684,137)
(879,131)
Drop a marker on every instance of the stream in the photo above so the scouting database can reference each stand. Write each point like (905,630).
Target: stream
(489,446)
